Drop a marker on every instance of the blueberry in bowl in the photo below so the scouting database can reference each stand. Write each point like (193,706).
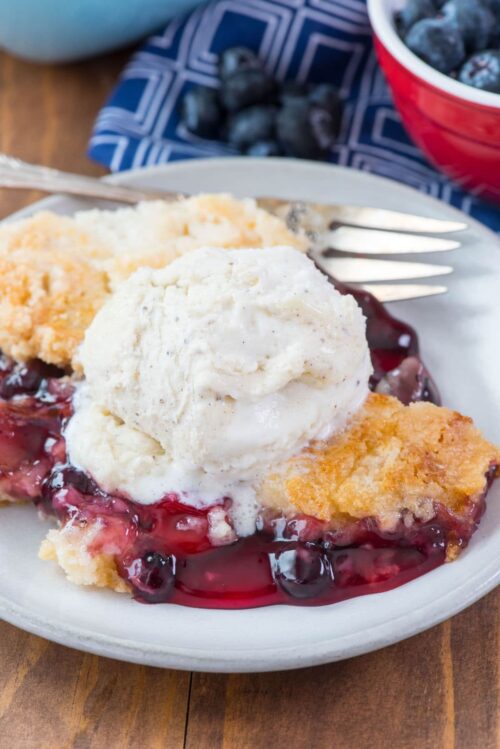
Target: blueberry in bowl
(449,108)
(438,42)
(448,35)
(482,71)
(413,11)
(473,20)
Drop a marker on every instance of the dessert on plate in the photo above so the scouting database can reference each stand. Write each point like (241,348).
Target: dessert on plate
(214,422)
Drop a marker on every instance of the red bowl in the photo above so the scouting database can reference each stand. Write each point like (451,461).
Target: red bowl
(456,126)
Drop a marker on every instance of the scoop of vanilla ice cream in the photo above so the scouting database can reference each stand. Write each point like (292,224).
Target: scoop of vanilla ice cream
(204,374)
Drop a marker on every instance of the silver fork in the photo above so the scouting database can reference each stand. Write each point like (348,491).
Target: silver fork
(336,232)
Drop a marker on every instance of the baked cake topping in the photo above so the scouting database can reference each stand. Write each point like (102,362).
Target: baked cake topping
(393,459)
(56,271)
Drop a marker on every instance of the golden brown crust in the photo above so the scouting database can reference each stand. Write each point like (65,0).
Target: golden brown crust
(47,301)
(6,500)
(69,547)
(56,271)
(48,232)
(392,458)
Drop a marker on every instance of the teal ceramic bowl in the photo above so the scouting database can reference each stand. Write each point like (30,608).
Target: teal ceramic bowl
(66,30)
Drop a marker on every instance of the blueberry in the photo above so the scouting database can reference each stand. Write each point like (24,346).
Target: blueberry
(303,572)
(482,70)
(495,36)
(292,90)
(251,125)
(236,59)
(152,577)
(493,5)
(63,477)
(410,381)
(264,148)
(325,127)
(325,96)
(71,476)
(201,112)
(80,480)
(304,131)
(473,20)
(27,378)
(437,42)
(20,381)
(246,88)
(294,131)
(413,11)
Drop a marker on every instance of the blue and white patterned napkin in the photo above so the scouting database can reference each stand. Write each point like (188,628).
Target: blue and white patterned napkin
(306,40)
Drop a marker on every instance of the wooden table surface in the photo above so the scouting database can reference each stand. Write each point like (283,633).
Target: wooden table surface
(436,691)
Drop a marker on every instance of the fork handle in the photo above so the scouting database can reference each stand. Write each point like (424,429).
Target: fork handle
(18,174)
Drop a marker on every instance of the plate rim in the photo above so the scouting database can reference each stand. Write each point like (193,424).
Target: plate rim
(283,658)
(203,660)
(135,175)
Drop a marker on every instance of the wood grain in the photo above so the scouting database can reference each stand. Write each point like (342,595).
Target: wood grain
(47,113)
(440,690)
(424,693)
(52,696)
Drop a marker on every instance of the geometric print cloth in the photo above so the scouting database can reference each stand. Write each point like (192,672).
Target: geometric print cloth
(303,40)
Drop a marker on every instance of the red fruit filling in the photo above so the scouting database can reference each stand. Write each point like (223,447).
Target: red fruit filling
(33,408)
(164,550)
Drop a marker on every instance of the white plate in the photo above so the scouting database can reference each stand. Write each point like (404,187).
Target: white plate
(459,337)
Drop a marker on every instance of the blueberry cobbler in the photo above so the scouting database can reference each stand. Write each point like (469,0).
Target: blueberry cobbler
(211,421)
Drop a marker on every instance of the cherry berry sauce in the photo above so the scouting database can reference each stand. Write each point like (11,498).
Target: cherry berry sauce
(166,552)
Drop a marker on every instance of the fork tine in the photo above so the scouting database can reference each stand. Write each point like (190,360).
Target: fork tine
(357,270)
(319,216)
(401,292)
(378,218)
(375,242)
